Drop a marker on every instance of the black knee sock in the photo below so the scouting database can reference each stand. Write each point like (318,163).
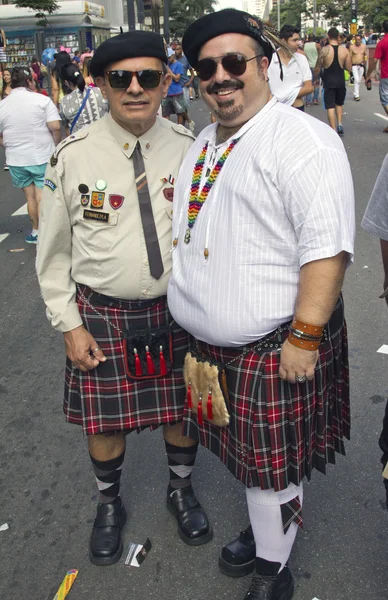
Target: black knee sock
(181,462)
(267,568)
(108,473)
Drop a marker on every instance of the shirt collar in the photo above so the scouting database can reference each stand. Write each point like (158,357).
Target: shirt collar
(127,141)
(210,135)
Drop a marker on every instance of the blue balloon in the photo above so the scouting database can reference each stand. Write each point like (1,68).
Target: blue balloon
(48,55)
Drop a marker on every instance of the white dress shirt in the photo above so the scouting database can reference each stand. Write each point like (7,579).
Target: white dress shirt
(24,115)
(294,75)
(284,198)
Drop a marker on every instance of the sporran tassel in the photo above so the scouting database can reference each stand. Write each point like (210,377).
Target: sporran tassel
(209,406)
(138,369)
(150,362)
(200,415)
(189,400)
(163,367)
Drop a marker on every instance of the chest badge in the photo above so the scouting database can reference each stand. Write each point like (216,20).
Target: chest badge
(116,201)
(85,199)
(98,199)
(101,185)
(169,179)
(169,193)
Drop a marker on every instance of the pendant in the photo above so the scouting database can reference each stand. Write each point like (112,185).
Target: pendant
(187,236)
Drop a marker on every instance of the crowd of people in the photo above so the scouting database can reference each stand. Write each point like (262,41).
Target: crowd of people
(221,319)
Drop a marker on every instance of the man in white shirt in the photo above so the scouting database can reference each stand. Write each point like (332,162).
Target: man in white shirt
(30,128)
(263,230)
(297,78)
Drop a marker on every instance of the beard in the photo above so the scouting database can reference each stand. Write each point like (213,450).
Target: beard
(228,112)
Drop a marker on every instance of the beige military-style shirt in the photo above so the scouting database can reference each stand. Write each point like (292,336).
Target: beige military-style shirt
(90,229)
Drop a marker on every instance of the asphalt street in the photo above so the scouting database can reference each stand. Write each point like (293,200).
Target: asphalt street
(47,489)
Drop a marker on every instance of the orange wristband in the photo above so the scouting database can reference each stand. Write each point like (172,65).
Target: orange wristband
(315,330)
(303,344)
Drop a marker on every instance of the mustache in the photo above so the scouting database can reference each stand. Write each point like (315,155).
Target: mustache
(225,85)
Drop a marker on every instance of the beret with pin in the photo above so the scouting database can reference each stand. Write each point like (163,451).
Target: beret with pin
(224,21)
(131,44)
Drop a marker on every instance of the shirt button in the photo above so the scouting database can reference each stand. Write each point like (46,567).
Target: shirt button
(148,146)
(145,292)
(146,263)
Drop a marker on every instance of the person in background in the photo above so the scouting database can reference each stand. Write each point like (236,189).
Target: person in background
(381,54)
(29,131)
(59,88)
(86,72)
(87,53)
(312,50)
(3,46)
(297,79)
(174,103)
(375,222)
(6,89)
(334,59)
(185,82)
(194,89)
(358,56)
(82,106)
(76,58)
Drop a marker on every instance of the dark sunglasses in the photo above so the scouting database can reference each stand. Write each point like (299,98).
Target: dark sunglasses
(235,64)
(147,79)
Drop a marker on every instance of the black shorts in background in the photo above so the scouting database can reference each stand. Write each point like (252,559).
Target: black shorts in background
(334,97)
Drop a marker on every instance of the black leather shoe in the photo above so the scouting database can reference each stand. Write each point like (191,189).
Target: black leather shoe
(193,525)
(264,587)
(238,557)
(105,546)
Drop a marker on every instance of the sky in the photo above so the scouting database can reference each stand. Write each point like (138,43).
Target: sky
(229,4)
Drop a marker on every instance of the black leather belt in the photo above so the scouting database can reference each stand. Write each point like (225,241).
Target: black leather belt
(101,300)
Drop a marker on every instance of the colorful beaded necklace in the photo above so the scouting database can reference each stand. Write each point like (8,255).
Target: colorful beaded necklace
(197,199)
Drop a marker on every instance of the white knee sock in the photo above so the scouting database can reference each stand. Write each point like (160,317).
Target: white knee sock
(265,515)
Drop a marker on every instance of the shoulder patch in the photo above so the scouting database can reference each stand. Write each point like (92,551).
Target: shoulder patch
(182,130)
(71,138)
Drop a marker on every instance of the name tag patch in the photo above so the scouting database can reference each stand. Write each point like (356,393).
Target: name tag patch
(50,184)
(96,216)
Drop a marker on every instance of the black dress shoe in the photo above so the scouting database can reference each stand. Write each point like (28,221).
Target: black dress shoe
(193,525)
(238,557)
(264,587)
(105,546)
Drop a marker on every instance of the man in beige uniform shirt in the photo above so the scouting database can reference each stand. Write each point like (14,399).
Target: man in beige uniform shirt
(103,265)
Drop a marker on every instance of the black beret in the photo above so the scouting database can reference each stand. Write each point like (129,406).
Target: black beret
(128,45)
(214,24)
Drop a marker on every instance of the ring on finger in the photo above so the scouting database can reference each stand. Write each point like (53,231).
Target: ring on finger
(96,349)
(300,378)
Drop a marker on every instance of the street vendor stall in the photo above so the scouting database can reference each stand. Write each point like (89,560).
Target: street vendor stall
(76,25)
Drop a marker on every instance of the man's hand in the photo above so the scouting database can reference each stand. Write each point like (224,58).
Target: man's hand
(82,349)
(295,361)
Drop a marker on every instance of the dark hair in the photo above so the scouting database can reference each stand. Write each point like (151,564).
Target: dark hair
(311,37)
(333,33)
(34,59)
(358,35)
(257,49)
(20,76)
(72,74)
(62,59)
(4,84)
(385,26)
(288,31)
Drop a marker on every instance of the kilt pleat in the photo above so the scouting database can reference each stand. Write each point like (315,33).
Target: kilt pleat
(280,432)
(105,399)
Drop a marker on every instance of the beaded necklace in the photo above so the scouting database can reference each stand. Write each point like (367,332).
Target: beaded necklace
(197,199)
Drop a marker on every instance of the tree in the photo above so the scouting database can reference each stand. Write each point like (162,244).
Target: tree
(374,12)
(290,13)
(185,12)
(43,8)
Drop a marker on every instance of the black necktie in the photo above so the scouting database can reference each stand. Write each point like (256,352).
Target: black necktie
(147,216)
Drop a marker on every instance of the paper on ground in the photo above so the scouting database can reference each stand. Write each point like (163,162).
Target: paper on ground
(133,551)
(4,527)
(383,349)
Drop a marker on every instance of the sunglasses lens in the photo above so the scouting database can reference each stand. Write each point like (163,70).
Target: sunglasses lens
(206,68)
(148,79)
(235,64)
(120,79)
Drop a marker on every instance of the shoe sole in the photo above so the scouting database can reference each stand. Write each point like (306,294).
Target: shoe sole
(104,561)
(27,242)
(235,570)
(199,541)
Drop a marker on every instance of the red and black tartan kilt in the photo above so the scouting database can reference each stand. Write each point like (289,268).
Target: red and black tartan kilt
(279,432)
(105,399)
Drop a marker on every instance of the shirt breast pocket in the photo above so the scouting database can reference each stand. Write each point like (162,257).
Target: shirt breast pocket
(96,229)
